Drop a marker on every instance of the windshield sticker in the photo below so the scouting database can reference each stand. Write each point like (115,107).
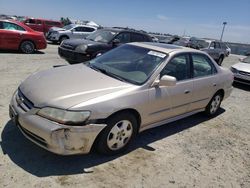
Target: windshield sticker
(157,54)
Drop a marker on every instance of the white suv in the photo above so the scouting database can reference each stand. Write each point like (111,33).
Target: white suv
(71,31)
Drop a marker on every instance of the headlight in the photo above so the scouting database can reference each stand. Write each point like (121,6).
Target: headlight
(81,48)
(64,116)
(234,70)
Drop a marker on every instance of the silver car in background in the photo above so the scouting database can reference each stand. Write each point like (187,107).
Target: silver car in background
(241,71)
(72,31)
(108,100)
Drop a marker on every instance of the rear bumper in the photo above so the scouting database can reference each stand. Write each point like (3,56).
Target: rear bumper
(54,137)
(72,56)
(41,45)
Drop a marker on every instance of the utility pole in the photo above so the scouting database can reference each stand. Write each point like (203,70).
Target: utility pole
(224,25)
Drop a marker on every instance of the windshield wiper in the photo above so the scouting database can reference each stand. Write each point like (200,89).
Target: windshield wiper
(104,71)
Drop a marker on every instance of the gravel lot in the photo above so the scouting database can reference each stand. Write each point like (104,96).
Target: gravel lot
(193,152)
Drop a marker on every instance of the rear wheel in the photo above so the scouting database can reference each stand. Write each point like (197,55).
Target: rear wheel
(27,47)
(214,105)
(120,131)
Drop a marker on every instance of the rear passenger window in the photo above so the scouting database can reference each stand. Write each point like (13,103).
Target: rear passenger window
(137,37)
(123,37)
(202,66)
(217,45)
(178,67)
(11,26)
(89,29)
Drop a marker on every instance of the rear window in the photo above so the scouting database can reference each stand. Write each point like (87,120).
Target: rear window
(30,21)
(11,26)
(38,22)
(137,37)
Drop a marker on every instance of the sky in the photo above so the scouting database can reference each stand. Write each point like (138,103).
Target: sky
(200,18)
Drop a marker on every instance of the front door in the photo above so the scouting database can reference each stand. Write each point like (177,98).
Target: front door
(166,102)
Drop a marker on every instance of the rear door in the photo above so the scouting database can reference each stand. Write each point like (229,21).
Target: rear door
(205,81)
(167,102)
(212,51)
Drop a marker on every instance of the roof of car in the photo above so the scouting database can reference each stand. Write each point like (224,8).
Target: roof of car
(162,47)
(119,29)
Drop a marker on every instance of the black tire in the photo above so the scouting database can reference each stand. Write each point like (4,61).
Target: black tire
(27,47)
(110,143)
(62,38)
(214,105)
(220,60)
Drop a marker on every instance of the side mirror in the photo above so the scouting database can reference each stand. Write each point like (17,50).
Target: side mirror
(115,42)
(241,59)
(165,81)
(211,47)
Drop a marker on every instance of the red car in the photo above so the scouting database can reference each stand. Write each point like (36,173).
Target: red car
(17,36)
(41,24)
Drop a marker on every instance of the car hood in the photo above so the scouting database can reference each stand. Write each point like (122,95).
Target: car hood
(76,42)
(67,86)
(242,67)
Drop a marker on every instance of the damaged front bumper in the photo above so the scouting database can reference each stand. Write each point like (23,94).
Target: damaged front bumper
(57,138)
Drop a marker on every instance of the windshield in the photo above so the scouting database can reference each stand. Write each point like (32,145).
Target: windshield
(68,27)
(129,63)
(102,36)
(246,60)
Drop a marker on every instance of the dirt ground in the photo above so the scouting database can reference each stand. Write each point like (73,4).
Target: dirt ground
(193,152)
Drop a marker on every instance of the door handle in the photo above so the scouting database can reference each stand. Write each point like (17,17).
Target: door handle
(187,91)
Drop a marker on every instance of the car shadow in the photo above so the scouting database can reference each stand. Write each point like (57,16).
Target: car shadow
(42,163)
(53,43)
(18,52)
(241,86)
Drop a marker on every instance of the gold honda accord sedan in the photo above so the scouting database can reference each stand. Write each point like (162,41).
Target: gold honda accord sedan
(107,101)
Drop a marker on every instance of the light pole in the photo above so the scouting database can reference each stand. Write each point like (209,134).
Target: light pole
(224,24)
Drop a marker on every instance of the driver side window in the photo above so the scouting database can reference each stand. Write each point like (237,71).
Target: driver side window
(123,37)
(178,67)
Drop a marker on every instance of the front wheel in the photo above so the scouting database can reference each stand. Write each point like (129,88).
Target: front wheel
(27,47)
(214,105)
(120,131)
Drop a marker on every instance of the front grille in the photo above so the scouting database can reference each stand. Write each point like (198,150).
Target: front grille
(244,73)
(23,101)
(66,53)
(49,33)
(68,46)
(33,136)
